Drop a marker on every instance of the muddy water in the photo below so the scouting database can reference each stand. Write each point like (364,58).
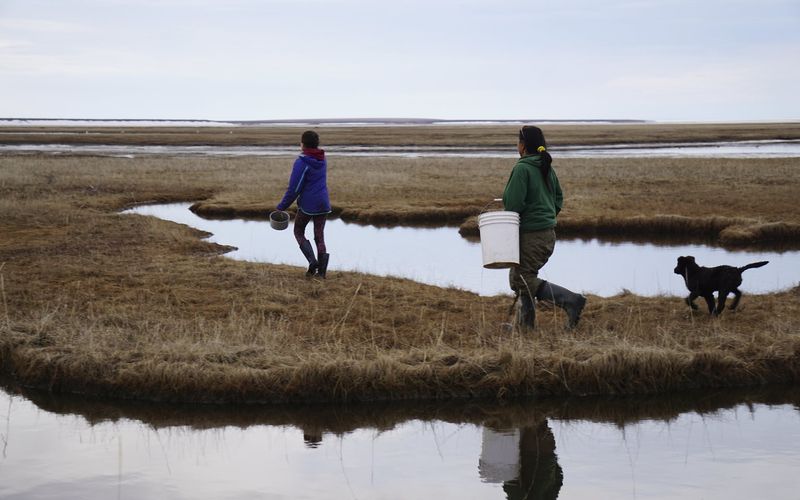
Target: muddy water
(441,257)
(721,445)
(738,149)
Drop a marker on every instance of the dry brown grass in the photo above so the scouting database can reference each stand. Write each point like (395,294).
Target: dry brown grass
(733,202)
(437,135)
(134,307)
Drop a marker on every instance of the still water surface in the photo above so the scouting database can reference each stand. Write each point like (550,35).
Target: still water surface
(713,445)
(441,257)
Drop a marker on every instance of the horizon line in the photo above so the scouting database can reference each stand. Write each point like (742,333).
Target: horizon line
(331,120)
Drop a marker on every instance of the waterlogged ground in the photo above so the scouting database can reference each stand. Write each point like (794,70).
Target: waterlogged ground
(737,149)
(67,448)
(440,256)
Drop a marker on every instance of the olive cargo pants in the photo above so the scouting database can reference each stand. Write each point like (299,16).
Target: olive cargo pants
(535,248)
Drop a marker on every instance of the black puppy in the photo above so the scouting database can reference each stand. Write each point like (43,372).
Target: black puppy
(704,281)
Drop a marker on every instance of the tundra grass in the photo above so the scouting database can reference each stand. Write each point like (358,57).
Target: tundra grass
(733,202)
(134,307)
(428,135)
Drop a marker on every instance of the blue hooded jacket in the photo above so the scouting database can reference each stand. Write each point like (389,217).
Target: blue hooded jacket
(308,184)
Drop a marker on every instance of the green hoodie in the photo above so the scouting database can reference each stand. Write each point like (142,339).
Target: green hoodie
(527,194)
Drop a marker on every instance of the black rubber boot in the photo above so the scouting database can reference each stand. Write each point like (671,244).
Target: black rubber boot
(527,313)
(570,302)
(323,264)
(308,251)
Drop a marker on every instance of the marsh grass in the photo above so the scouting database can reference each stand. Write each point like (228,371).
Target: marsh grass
(245,355)
(135,307)
(748,202)
(437,135)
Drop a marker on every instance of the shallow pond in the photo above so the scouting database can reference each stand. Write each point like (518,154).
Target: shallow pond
(721,445)
(738,149)
(441,257)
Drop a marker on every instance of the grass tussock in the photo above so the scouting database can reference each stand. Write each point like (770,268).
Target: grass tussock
(134,307)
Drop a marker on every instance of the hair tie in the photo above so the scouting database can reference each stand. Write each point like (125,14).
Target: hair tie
(540,149)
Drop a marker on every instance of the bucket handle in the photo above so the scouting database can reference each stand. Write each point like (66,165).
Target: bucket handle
(495,200)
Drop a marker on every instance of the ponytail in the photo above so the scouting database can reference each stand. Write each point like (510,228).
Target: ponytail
(533,139)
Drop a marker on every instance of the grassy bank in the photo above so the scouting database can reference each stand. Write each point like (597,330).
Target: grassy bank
(732,202)
(431,135)
(134,307)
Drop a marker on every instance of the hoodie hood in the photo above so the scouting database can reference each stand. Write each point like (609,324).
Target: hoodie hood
(532,159)
(315,153)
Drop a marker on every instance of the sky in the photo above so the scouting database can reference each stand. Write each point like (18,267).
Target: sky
(671,60)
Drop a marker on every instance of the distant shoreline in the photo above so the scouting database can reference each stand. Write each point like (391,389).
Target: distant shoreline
(348,122)
(441,134)
(353,122)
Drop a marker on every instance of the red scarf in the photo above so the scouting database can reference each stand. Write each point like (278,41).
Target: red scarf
(315,153)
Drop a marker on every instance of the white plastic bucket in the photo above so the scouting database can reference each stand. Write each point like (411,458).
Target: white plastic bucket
(499,239)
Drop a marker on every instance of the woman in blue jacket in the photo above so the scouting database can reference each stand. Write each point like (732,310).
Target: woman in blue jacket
(308,185)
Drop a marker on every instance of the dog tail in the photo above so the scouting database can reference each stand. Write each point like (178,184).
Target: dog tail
(754,264)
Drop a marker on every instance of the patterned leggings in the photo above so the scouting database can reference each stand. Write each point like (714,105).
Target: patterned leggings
(301,221)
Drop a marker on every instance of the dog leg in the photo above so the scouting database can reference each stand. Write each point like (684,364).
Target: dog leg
(738,295)
(690,301)
(723,296)
(710,302)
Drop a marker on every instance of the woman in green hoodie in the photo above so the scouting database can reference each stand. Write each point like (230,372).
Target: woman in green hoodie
(534,192)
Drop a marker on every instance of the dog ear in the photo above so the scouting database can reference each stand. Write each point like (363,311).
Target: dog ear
(690,258)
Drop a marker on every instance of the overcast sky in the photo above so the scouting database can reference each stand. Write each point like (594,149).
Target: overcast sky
(673,60)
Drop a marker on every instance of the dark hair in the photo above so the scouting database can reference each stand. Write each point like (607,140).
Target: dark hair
(310,139)
(533,139)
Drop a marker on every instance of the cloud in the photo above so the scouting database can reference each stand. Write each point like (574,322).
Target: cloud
(13,45)
(40,26)
(455,58)
(691,81)
(754,69)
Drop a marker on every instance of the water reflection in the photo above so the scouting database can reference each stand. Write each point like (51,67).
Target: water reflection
(441,257)
(729,444)
(523,460)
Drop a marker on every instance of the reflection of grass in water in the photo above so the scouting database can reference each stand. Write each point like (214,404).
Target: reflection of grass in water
(141,308)
(386,415)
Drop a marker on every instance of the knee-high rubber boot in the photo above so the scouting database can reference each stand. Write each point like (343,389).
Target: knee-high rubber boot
(527,313)
(570,302)
(305,247)
(323,264)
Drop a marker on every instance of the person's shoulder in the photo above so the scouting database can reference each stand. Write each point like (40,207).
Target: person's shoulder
(533,160)
(523,163)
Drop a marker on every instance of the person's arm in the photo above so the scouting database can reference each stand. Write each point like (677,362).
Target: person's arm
(559,194)
(516,190)
(295,184)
